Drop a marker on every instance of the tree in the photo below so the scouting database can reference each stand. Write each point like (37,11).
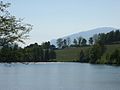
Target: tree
(95,52)
(11,29)
(60,42)
(108,38)
(36,52)
(102,38)
(68,41)
(115,57)
(46,45)
(46,55)
(95,38)
(117,35)
(83,42)
(75,42)
(82,56)
(53,47)
(80,40)
(52,54)
(91,41)
(64,43)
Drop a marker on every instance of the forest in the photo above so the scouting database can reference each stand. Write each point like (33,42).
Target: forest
(31,53)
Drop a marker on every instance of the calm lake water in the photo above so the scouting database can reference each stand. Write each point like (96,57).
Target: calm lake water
(59,76)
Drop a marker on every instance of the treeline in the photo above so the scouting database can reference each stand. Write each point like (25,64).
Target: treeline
(108,38)
(96,51)
(65,43)
(31,53)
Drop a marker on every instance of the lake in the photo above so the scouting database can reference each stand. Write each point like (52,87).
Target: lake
(59,76)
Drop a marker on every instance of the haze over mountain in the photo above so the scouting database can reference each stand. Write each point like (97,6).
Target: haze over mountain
(85,34)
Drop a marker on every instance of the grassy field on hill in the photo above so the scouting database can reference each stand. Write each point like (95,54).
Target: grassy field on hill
(72,54)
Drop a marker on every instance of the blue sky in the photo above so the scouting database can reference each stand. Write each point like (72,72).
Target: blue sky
(56,18)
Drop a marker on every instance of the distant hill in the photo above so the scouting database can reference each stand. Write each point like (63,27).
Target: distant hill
(86,34)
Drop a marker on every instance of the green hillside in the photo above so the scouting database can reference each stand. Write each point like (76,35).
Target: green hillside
(72,54)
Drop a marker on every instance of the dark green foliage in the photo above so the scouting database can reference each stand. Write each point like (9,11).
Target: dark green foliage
(109,38)
(46,45)
(114,58)
(68,40)
(9,54)
(46,55)
(83,42)
(95,38)
(63,43)
(96,52)
(91,41)
(59,43)
(82,56)
(98,49)
(31,53)
(75,42)
(53,47)
(52,54)
(93,55)
(79,41)
(37,53)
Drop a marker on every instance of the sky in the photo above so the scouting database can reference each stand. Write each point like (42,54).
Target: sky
(52,19)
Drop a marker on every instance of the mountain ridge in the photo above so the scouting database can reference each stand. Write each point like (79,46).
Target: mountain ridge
(85,34)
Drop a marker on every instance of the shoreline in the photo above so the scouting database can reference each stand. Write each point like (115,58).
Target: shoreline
(28,63)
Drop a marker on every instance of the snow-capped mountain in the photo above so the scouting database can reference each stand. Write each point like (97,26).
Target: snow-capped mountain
(86,34)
